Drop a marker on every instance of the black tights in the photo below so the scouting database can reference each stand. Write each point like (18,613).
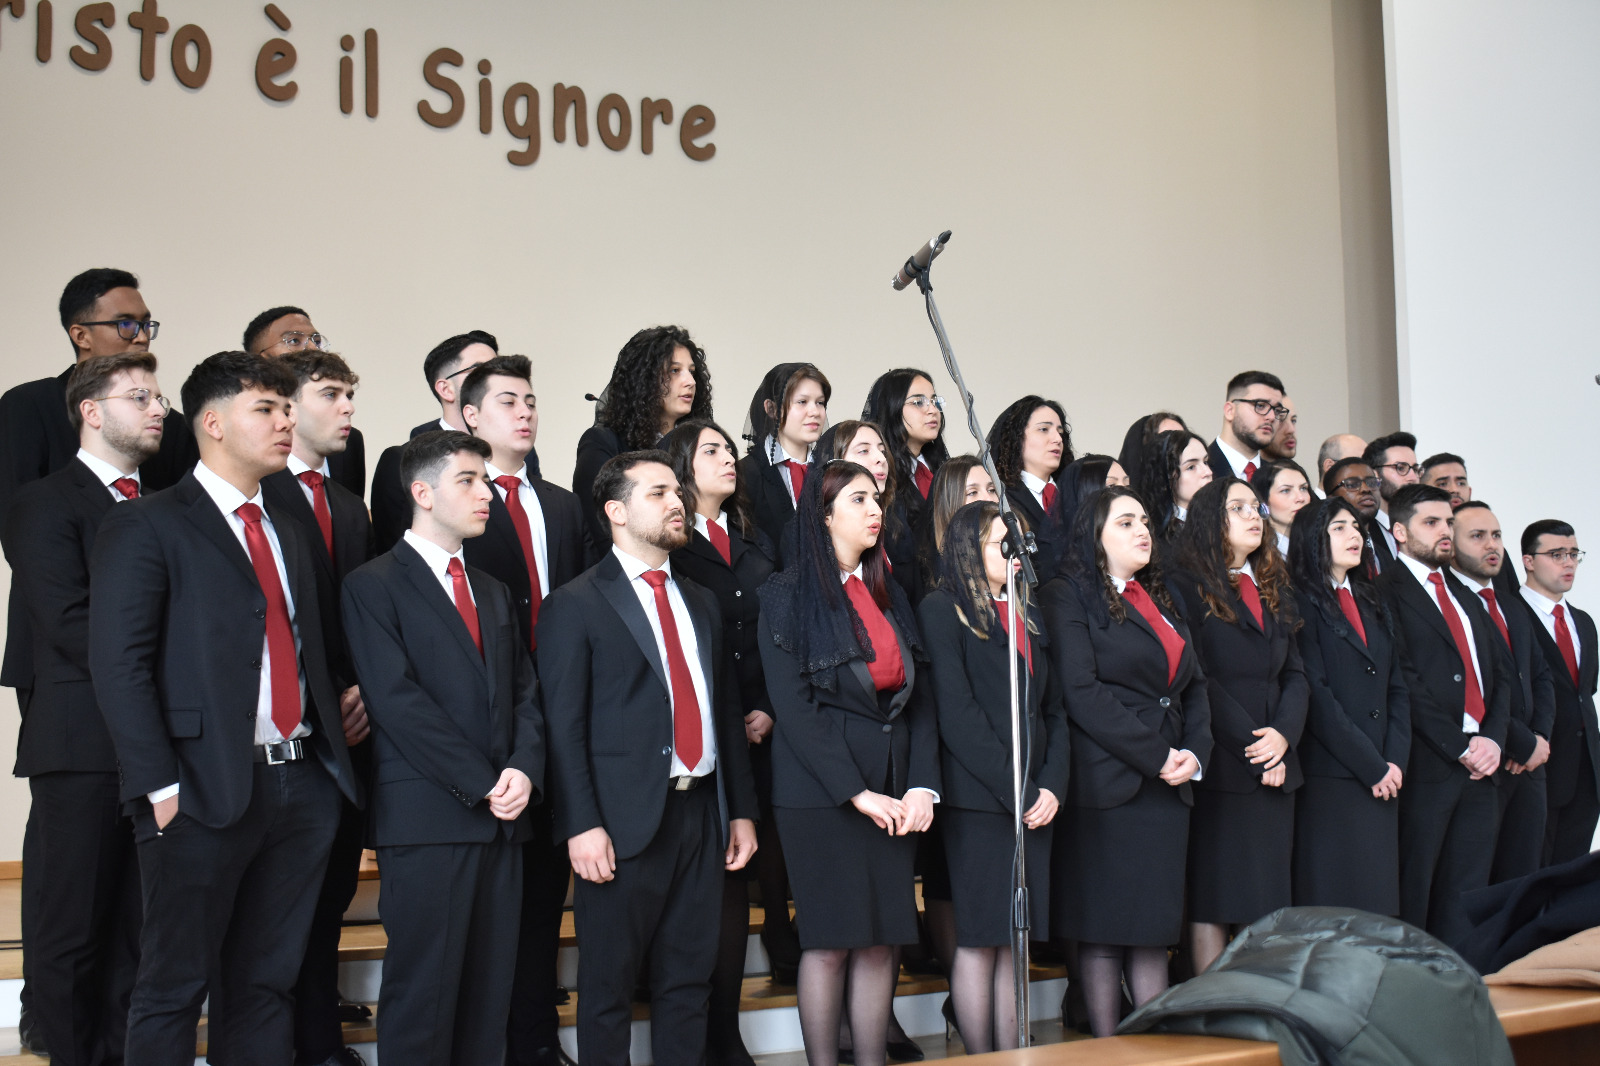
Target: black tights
(985,998)
(1103,967)
(821,996)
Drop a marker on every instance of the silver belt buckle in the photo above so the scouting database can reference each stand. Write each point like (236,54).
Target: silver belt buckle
(278,754)
(683,783)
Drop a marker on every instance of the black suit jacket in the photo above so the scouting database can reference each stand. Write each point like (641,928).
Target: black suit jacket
(37,438)
(49,535)
(1220,467)
(608,704)
(498,552)
(595,446)
(972,691)
(830,746)
(349,467)
(1434,673)
(1049,530)
(1380,545)
(1359,719)
(770,504)
(1125,717)
(175,642)
(1254,679)
(445,720)
(1573,727)
(1533,694)
(735,587)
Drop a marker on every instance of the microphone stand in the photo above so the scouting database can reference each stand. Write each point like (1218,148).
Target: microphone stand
(1020,546)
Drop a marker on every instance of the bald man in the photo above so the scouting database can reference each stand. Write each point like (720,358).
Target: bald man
(1339,446)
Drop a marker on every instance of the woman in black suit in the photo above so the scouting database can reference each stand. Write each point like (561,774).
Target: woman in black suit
(855,759)
(965,623)
(960,481)
(866,444)
(1283,488)
(1175,468)
(910,415)
(1140,729)
(1030,443)
(729,556)
(787,415)
(1235,592)
(1358,733)
(659,379)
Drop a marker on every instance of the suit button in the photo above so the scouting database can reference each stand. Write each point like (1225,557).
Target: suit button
(667,750)
(1166,702)
(523,601)
(1371,671)
(1377,713)
(255,664)
(736,655)
(261,612)
(1458,677)
(888,729)
(738,592)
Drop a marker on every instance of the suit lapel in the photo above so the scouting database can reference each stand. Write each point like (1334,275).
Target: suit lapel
(284,498)
(1424,603)
(1341,625)
(554,549)
(433,594)
(205,515)
(490,624)
(300,580)
(95,496)
(500,527)
(699,545)
(702,639)
(618,591)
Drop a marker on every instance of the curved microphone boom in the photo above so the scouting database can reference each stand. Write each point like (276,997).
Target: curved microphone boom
(919,261)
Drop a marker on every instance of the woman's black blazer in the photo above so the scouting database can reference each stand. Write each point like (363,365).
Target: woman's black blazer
(1360,716)
(1254,679)
(770,504)
(830,746)
(597,444)
(972,691)
(1124,715)
(1049,530)
(735,588)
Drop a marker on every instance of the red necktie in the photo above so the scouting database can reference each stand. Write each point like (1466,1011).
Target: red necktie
(719,540)
(888,670)
(685,704)
(1569,653)
(1252,598)
(1249,471)
(924,477)
(1494,612)
(464,605)
(1048,496)
(1347,604)
(319,506)
(1022,631)
(511,483)
(127,486)
(1171,642)
(1474,706)
(285,673)
(797,478)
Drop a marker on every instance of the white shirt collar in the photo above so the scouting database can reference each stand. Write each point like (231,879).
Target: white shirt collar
(776,453)
(1345,584)
(634,567)
(227,498)
(843,577)
(1420,570)
(1539,601)
(1180,513)
(1034,484)
(104,470)
(437,558)
(700,523)
(1383,518)
(298,466)
(495,473)
(1246,569)
(445,425)
(1120,582)
(1236,459)
(1471,582)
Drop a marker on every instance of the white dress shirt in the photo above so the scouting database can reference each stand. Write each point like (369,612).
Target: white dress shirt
(1283,544)
(535,513)
(690,645)
(1544,608)
(1237,461)
(1122,583)
(700,523)
(107,473)
(438,561)
(1421,571)
(1034,485)
(228,500)
(298,466)
(779,457)
(1388,533)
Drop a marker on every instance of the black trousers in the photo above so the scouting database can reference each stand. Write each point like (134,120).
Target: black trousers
(665,903)
(1447,838)
(318,1035)
(1523,812)
(227,911)
(83,876)
(451,913)
(1569,832)
(534,1024)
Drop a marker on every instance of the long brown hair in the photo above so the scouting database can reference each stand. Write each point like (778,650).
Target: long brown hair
(1203,551)
(681,444)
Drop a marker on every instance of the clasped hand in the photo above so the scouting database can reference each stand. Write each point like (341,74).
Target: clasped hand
(897,817)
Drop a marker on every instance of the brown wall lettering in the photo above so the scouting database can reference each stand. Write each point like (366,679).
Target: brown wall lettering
(191,75)
(347,76)
(150,25)
(697,122)
(45,33)
(649,110)
(611,104)
(370,44)
(525,127)
(85,24)
(276,58)
(442,120)
(485,99)
(572,95)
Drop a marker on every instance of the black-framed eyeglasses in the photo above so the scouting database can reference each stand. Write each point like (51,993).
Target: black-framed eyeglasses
(1267,407)
(130,328)
(1403,469)
(921,402)
(141,399)
(1563,555)
(296,341)
(1352,484)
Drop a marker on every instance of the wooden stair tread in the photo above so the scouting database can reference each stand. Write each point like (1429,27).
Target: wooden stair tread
(1527,1009)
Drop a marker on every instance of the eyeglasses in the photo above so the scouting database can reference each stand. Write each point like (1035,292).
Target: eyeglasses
(141,399)
(1352,484)
(129,328)
(1403,469)
(1563,555)
(296,341)
(921,402)
(1243,510)
(1267,407)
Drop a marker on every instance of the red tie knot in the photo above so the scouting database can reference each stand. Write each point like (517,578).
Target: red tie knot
(654,578)
(1560,613)
(311,477)
(454,568)
(510,482)
(249,513)
(127,486)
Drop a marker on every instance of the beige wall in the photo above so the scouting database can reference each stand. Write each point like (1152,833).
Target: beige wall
(1146,197)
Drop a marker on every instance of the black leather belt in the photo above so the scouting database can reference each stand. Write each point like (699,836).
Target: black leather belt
(687,783)
(287,751)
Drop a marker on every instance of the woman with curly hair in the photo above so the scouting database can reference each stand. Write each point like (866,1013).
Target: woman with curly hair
(965,624)
(910,414)
(1175,467)
(855,756)
(1030,442)
(1234,589)
(787,416)
(1358,729)
(1136,442)
(659,379)
(1139,728)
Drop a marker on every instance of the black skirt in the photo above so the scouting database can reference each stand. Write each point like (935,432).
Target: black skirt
(1346,847)
(933,861)
(1240,848)
(852,882)
(980,845)
(1117,874)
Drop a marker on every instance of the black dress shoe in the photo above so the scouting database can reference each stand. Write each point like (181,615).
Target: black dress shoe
(353,1013)
(345,1056)
(562,997)
(906,1050)
(553,1056)
(29,1037)
(785,975)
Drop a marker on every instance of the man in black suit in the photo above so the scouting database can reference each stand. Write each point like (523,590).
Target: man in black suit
(1250,416)
(1447,471)
(1460,708)
(334,523)
(1353,481)
(1479,558)
(102,313)
(1567,642)
(1393,459)
(288,330)
(444,367)
(532,544)
(459,751)
(649,766)
(209,664)
(82,872)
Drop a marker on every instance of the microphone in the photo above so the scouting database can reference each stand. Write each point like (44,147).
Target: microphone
(919,262)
